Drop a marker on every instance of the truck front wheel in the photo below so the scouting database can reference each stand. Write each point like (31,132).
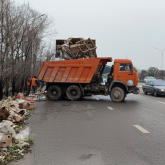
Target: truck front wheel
(73,92)
(54,92)
(117,94)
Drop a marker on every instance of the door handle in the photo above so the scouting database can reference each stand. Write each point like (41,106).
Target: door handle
(130,74)
(119,76)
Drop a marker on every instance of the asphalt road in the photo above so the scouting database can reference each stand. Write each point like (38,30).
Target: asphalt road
(97,131)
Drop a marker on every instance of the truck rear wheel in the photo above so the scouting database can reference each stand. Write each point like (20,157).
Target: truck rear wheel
(73,92)
(117,94)
(54,92)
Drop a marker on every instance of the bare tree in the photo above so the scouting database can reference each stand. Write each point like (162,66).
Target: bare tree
(153,71)
(22,43)
(143,74)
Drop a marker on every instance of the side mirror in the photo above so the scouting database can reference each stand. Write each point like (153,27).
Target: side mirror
(131,68)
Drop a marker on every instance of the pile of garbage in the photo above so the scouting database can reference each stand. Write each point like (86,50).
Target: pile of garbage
(75,48)
(36,97)
(14,141)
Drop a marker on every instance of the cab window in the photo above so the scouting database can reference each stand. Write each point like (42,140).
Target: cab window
(123,67)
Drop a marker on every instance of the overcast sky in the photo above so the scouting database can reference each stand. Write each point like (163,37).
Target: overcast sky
(121,27)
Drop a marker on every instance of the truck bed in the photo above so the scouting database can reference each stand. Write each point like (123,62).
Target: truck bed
(71,71)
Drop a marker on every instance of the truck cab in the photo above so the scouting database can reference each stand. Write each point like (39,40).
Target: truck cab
(123,81)
(125,72)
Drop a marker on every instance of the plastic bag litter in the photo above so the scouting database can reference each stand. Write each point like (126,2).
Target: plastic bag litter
(2,159)
(5,128)
(12,114)
(23,134)
(1,135)
(8,122)
(21,152)
(22,144)
(20,101)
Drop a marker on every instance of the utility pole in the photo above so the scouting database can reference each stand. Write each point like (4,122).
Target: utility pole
(161,59)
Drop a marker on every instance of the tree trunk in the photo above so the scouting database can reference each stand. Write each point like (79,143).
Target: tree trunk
(7,87)
(22,85)
(1,90)
(13,87)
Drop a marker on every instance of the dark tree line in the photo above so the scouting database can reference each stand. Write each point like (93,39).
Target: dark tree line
(23,47)
(152,71)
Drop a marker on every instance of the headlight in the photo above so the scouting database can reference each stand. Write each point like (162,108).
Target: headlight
(161,89)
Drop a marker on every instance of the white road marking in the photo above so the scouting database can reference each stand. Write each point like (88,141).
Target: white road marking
(141,129)
(161,102)
(97,99)
(110,108)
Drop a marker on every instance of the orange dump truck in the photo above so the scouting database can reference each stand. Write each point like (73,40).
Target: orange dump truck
(75,79)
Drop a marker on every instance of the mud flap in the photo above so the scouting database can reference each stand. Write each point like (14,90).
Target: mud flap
(136,90)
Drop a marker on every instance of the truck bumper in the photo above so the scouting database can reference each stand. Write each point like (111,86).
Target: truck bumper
(136,90)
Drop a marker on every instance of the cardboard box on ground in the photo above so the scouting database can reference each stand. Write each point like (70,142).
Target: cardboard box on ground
(5,140)
(13,113)
(14,110)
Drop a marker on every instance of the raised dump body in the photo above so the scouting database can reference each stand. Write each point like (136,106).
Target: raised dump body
(72,71)
(75,79)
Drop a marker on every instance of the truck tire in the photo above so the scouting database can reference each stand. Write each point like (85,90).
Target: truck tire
(73,92)
(54,92)
(117,94)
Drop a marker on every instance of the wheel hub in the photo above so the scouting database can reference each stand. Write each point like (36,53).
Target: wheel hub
(73,92)
(54,92)
(117,94)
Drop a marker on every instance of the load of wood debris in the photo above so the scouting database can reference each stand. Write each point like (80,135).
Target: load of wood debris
(75,48)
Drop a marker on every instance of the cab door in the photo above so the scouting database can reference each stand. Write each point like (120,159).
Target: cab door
(125,74)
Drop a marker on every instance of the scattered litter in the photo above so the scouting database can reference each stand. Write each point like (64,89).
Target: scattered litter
(4,149)
(8,122)
(4,113)
(5,128)
(23,134)
(14,141)
(2,159)
(41,97)
(22,144)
